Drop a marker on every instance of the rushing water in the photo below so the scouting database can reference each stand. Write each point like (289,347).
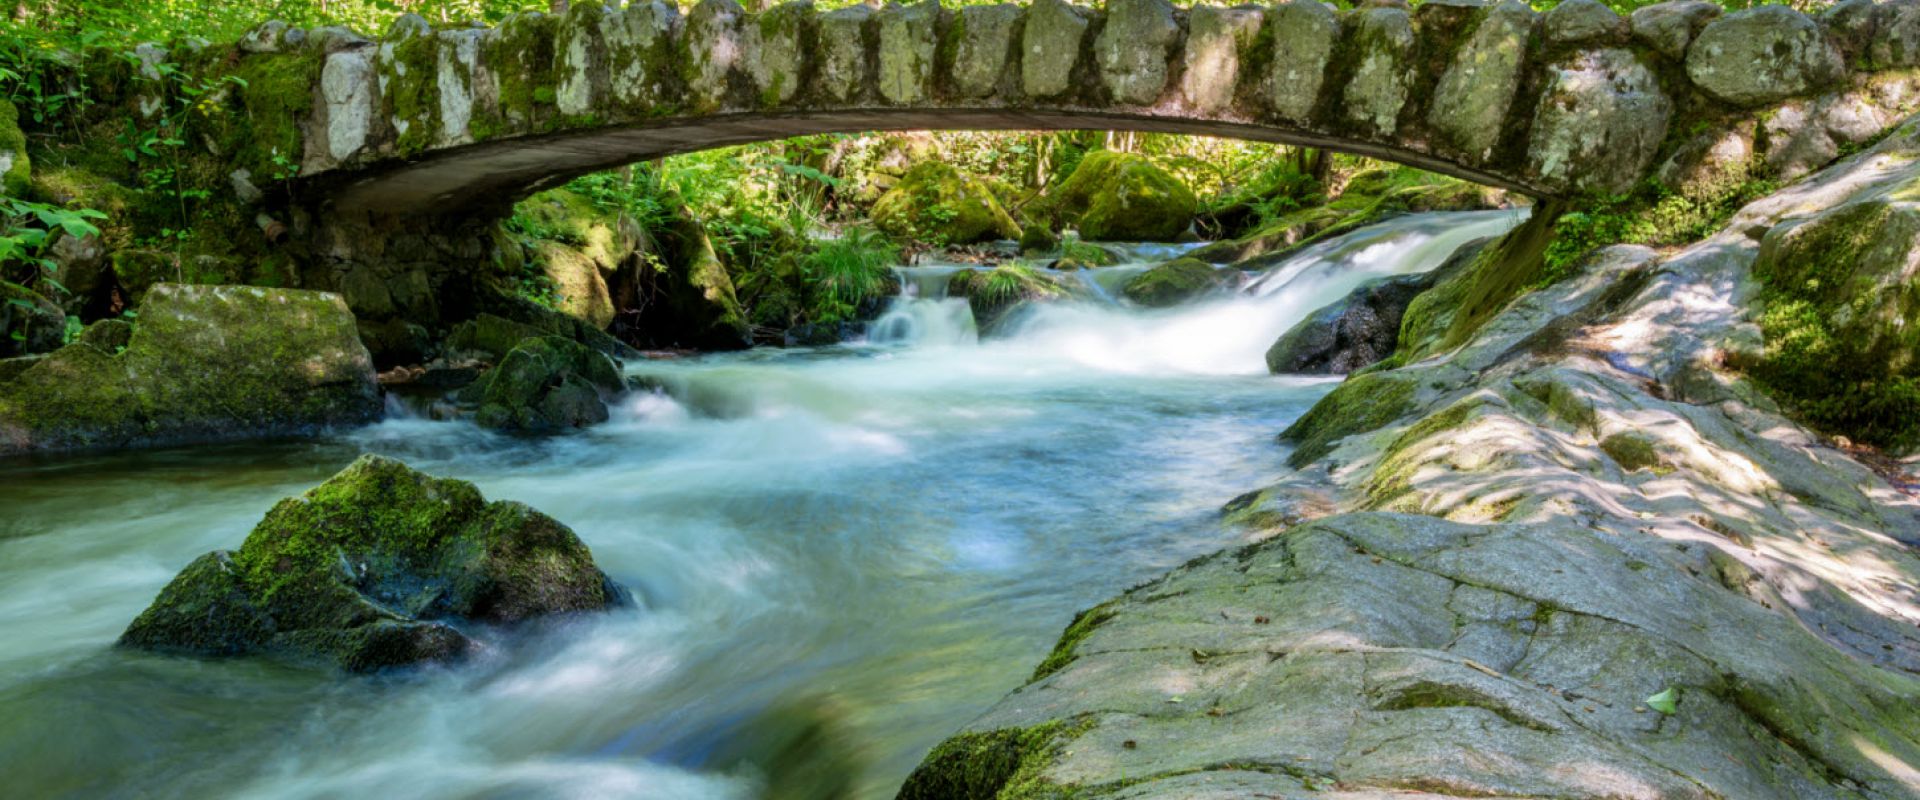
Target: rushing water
(843,555)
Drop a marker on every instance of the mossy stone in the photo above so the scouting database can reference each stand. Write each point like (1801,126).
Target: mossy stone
(367,570)
(545,385)
(1361,404)
(935,202)
(1173,283)
(1123,197)
(16,169)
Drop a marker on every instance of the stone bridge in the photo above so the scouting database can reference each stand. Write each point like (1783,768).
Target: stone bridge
(1573,101)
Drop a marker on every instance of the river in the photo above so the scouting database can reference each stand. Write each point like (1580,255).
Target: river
(842,555)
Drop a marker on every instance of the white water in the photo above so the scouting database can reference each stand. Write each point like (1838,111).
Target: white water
(844,555)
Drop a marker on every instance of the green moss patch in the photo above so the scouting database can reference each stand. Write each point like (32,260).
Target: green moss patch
(1004,764)
(1363,403)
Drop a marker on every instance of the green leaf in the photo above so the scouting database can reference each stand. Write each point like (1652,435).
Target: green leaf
(1666,702)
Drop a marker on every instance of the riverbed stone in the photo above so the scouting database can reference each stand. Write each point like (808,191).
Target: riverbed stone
(1583,21)
(1762,55)
(1174,282)
(374,569)
(1132,49)
(1304,35)
(1216,38)
(545,385)
(1050,47)
(1599,123)
(1670,26)
(1471,102)
(983,41)
(1382,42)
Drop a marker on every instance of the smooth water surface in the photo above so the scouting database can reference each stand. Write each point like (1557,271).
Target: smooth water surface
(843,555)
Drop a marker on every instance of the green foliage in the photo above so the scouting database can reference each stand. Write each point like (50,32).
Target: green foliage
(1667,701)
(848,271)
(27,233)
(1651,215)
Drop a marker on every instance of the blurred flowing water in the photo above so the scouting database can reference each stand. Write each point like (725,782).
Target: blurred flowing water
(843,555)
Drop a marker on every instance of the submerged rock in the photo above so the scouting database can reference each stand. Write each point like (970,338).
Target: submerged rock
(934,202)
(378,567)
(1174,282)
(1351,333)
(205,363)
(1123,197)
(545,385)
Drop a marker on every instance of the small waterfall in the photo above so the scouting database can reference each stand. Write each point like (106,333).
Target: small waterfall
(922,315)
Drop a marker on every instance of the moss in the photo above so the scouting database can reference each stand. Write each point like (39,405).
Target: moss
(1173,283)
(277,100)
(992,293)
(935,202)
(1631,451)
(1561,401)
(1360,404)
(1120,196)
(17,178)
(1393,475)
(412,93)
(1838,302)
(1077,631)
(1004,764)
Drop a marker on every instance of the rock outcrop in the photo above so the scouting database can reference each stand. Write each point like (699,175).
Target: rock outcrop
(379,567)
(204,364)
(1579,556)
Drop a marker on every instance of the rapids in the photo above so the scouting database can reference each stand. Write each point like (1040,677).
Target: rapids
(842,555)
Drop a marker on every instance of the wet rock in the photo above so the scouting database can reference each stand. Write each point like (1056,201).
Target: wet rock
(379,567)
(993,294)
(545,385)
(935,202)
(1350,334)
(1580,21)
(1132,49)
(1122,197)
(1600,122)
(1670,26)
(1174,282)
(205,363)
(1304,35)
(1762,55)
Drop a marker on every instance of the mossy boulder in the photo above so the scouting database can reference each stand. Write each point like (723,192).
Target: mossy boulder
(992,293)
(1173,283)
(29,323)
(205,363)
(545,385)
(934,202)
(16,170)
(1123,197)
(691,303)
(379,567)
(1838,300)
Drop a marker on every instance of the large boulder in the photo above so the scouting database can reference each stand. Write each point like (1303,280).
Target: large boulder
(379,567)
(545,385)
(1173,283)
(1123,197)
(1600,122)
(1762,55)
(205,363)
(934,202)
(1351,333)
